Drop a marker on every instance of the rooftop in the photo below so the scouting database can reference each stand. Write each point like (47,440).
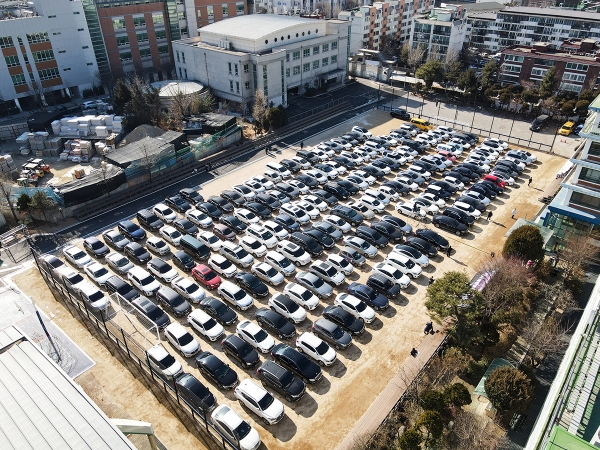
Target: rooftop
(170,88)
(477,7)
(553,12)
(145,148)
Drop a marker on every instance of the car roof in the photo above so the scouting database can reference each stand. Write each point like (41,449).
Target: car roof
(310,339)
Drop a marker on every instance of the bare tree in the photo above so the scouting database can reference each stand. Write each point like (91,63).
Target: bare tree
(324,8)
(6,188)
(452,56)
(181,104)
(558,296)
(147,158)
(39,92)
(259,109)
(549,339)
(579,249)
(337,9)
(473,431)
(441,371)
(415,56)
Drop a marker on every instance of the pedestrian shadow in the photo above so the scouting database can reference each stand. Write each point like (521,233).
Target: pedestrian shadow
(499,224)
(459,262)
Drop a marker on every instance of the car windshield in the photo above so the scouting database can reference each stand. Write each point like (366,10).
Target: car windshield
(322,348)
(164,268)
(409,264)
(185,339)
(78,255)
(185,258)
(317,282)
(242,430)
(239,294)
(360,307)
(175,234)
(210,275)
(176,301)
(250,215)
(210,323)
(122,262)
(124,289)
(96,245)
(331,271)
(261,336)
(100,272)
(167,361)
(296,252)
(271,272)
(212,239)
(191,288)
(364,245)
(254,245)
(244,189)
(222,370)
(165,211)
(225,264)
(221,308)
(154,313)
(147,280)
(241,253)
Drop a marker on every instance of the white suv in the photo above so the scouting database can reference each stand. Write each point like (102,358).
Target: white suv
(260,401)
(143,281)
(293,252)
(235,295)
(182,340)
(262,234)
(316,348)
(236,254)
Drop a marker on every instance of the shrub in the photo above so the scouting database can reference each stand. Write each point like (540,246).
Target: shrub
(509,389)
(525,243)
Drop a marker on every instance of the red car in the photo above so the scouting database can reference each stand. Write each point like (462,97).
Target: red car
(224,232)
(494,179)
(446,154)
(206,276)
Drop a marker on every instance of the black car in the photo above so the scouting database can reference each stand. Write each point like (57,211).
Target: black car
(115,239)
(195,393)
(372,236)
(220,203)
(441,193)
(414,145)
(218,310)
(337,190)
(311,182)
(509,164)
(260,210)
(251,284)
(409,252)
(397,223)
(388,230)
(399,113)
(95,247)
(465,172)
(492,186)
(459,176)
(308,243)
(311,157)
(138,253)
(298,363)
(269,201)
(329,229)
(325,196)
(184,261)
(287,222)
(479,206)
(290,165)
(173,301)
(450,224)
(473,168)
(332,333)
(374,171)
(240,350)
(124,289)
(288,190)
(234,223)
(233,197)
(322,238)
(369,295)
(191,196)
(209,209)
(399,188)
(433,238)
(445,186)
(421,245)
(483,190)
(344,319)
(348,214)
(216,370)
(426,166)
(177,203)
(385,286)
(275,323)
(351,188)
(281,380)
(345,162)
(460,215)
(382,163)
(151,311)
(148,220)
(326,169)
(184,226)
(131,230)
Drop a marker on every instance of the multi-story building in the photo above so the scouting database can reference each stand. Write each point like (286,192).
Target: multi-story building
(200,13)
(441,31)
(47,51)
(577,64)
(522,25)
(274,53)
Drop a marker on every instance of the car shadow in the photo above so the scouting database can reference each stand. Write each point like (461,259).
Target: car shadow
(475,229)
(305,407)
(377,324)
(353,352)
(496,201)
(429,269)
(352,277)
(284,431)
(337,370)
(321,387)
(400,300)
(412,288)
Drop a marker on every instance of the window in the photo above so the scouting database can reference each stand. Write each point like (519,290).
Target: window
(21,40)
(237,87)
(325,48)
(587,201)
(247,85)
(296,70)
(139,21)
(163,49)
(53,16)
(306,52)
(56,33)
(18,79)
(246,68)
(118,23)
(47,74)
(35,38)
(573,77)
(229,68)
(161,34)
(31,77)
(512,69)
(590,175)
(306,67)
(180,74)
(125,56)
(75,12)
(334,59)
(44,55)
(575,66)
(334,46)
(80,29)
(26,58)
(239,9)
(183,57)
(571,87)
(66,69)
(296,55)
(185,73)
(235,66)
(181,15)
(231,85)
(543,62)
(85,46)
(316,50)
(225,9)
(316,64)
(514,58)
(142,37)
(12,61)
(199,13)
(90,64)
(62,51)
(158,19)
(288,72)
(210,12)
(538,72)
(177,55)
(287,57)
(122,40)
(145,53)
(325,62)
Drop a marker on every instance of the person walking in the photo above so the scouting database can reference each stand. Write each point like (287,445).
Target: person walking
(431,280)
(514,211)
(529,182)
(489,216)
(301,145)
(449,251)
(428,328)
(414,352)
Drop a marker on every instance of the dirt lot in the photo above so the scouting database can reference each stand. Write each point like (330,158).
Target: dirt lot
(327,413)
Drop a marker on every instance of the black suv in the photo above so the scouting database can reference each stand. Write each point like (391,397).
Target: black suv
(287,222)
(124,289)
(131,230)
(298,363)
(399,113)
(218,310)
(184,261)
(137,253)
(220,203)
(269,201)
(184,226)
(275,323)
(388,230)
(322,238)
(173,301)
(344,319)
(332,333)
(383,285)
(152,312)
(352,189)
(288,190)
(233,197)
(259,209)
(191,196)
(234,223)
(148,220)
(337,190)
(308,243)
(290,165)
(309,156)
(281,380)
(177,203)
(459,215)
(347,214)
(372,236)
(240,350)
(325,196)
(95,247)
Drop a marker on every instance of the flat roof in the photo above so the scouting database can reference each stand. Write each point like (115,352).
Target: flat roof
(561,439)
(554,12)
(477,7)
(170,88)
(255,26)
(146,147)
(42,408)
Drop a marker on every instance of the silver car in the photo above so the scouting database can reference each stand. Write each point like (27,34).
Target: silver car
(315,284)
(361,246)
(280,263)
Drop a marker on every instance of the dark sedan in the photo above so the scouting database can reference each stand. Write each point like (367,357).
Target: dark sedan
(251,284)
(209,209)
(287,222)
(290,165)
(479,206)
(216,370)
(325,196)
(351,188)
(218,310)
(337,190)
(388,163)
(401,190)
(385,286)
(332,333)
(124,289)
(288,189)
(329,229)
(344,161)
(372,236)
(275,323)
(348,214)
(259,209)
(421,245)
(322,238)
(131,230)
(269,201)
(191,196)
(450,224)
(308,243)
(369,295)
(184,261)
(95,247)
(311,182)
(374,171)
(138,253)
(234,223)
(388,230)
(445,186)
(173,301)
(459,176)
(240,350)
(177,203)
(151,311)
(184,226)
(344,319)
(233,197)
(220,203)
(399,113)
(460,215)
(298,363)
(466,173)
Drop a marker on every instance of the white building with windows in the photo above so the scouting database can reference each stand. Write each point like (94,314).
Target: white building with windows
(278,54)
(441,31)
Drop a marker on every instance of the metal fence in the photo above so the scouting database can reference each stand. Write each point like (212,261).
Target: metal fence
(127,342)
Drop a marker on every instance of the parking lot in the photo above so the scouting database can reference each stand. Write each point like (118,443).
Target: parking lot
(331,406)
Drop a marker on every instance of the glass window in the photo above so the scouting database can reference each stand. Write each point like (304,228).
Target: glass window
(247,85)
(239,8)
(306,52)
(12,61)
(185,73)
(177,55)
(161,34)
(139,21)
(334,45)
(44,55)
(210,12)
(125,56)
(122,40)
(316,64)
(225,9)
(199,12)
(235,66)
(35,38)
(296,70)
(163,49)
(575,66)
(316,50)
(306,67)
(231,85)
(183,57)
(158,19)
(181,15)
(591,175)
(513,58)
(18,79)
(573,77)
(47,74)
(288,72)
(145,53)
(287,57)
(118,23)
(325,62)
(237,87)
(325,48)
(142,37)
(587,201)
(296,55)
(229,68)
(334,59)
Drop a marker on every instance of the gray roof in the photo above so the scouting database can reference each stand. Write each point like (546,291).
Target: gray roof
(144,148)
(255,26)
(553,12)
(478,7)
(42,408)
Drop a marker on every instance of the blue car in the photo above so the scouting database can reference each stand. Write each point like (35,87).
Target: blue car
(369,295)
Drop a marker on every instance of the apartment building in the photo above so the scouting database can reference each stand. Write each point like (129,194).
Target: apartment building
(441,31)
(278,54)
(522,25)
(47,52)
(577,64)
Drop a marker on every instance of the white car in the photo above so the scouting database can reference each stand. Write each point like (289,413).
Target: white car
(182,340)
(337,166)
(404,264)
(76,256)
(283,199)
(408,209)
(412,253)
(389,192)
(337,222)
(317,175)
(353,156)
(327,272)
(280,263)
(198,218)
(470,210)
(93,296)
(370,179)
(308,208)
(296,213)
(321,154)
(287,307)
(260,401)
(362,131)
(272,176)
(301,162)
(316,348)
(267,273)
(236,429)
(340,264)
(477,161)
(235,295)
(246,216)
(205,325)
(236,254)
(361,246)
(162,269)
(357,181)
(465,145)
(262,234)
(171,234)
(264,181)
(301,295)
(283,171)
(276,229)
(392,273)
(477,196)
(162,361)
(157,245)
(188,289)
(98,273)
(255,186)
(423,203)
(407,182)
(293,252)
(360,208)
(118,263)
(364,153)
(209,239)
(499,142)
(222,266)
(164,213)
(374,198)
(143,281)
(244,191)
(255,336)
(356,307)
(439,202)
(253,246)
(304,189)
(502,176)
(317,202)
